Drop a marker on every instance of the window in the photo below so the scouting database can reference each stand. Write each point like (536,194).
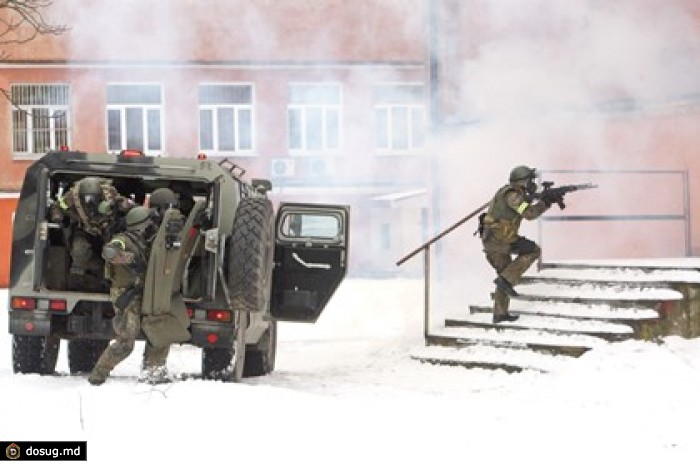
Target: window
(399,117)
(40,116)
(134,117)
(226,118)
(314,117)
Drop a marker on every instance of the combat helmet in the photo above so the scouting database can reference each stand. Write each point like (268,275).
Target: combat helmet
(90,194)
(138,219)
(522,173)
(162,198)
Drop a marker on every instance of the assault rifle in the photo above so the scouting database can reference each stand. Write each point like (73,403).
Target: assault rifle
(550,195)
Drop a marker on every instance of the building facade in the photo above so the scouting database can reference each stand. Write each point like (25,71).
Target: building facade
(381,105)
(327,99)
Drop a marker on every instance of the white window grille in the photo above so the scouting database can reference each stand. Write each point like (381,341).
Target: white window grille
(399,118)
(313,115)
(134,115)
(226,123)
(40,118)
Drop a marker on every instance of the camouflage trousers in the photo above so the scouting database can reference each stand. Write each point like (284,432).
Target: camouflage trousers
(500,256)
(127,325)
(81,252)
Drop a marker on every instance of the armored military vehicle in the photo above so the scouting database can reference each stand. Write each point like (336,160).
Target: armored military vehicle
(225,261)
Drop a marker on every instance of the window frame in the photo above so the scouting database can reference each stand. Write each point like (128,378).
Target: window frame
(413,147)
(145,108)
(29,109)
(236,108)
(326,109)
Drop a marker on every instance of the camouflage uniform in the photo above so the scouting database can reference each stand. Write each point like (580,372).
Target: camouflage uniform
(127,270)
(501,240)
(88,229)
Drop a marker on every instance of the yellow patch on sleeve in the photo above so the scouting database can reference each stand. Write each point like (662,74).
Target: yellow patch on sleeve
(120,243)
(521,208)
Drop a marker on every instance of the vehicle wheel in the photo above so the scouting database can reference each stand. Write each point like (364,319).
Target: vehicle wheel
(35,355)
(260,358)
(227,364)
(216,363)
(83,354)
(251,254)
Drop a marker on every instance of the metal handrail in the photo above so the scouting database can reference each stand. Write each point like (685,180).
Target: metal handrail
(425,247)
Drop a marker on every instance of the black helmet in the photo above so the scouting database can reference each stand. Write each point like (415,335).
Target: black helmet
(138,219)
(90,194)
(522,173)
(162,198)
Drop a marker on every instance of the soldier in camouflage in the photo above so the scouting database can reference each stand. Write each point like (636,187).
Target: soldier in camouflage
(126,260)
(89,209)
(499,234)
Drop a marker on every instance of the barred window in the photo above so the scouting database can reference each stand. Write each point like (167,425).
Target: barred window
(134,114)
(226,118)
(40,118)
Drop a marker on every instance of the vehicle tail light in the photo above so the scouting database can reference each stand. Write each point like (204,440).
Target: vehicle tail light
(57,305)
(190,312)
(219,315)
(19,302)
(131,153)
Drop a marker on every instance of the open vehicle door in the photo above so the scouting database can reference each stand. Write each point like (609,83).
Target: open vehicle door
(311,246)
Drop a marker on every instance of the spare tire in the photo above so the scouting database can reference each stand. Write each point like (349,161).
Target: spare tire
(250,256)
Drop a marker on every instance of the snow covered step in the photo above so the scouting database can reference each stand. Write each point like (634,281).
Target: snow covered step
(678,263)
(616,274)
(589,292)
(490,357)
(610,331)
(575,310)
(540,340)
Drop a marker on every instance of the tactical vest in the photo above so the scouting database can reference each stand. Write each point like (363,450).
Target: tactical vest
(125,275)
(501,222)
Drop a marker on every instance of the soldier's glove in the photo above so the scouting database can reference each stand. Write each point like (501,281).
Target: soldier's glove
(105,207)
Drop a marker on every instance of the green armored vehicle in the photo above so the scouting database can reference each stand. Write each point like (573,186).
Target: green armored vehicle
(224,261)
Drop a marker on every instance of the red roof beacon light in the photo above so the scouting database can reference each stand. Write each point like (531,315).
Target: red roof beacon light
(64,148)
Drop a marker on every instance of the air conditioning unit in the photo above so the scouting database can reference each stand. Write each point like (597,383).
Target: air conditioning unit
(282,168)
(322,166)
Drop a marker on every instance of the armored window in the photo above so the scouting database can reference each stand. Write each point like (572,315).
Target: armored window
(313,117)
(134,114)
(40,118)
(399,118)
(226,118)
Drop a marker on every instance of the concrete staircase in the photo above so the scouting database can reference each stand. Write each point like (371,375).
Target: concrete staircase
(569,308)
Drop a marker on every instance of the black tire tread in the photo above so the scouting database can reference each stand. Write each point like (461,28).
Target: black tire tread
(250,264)
(83,354)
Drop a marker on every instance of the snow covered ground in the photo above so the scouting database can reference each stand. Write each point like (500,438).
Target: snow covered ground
(345,392)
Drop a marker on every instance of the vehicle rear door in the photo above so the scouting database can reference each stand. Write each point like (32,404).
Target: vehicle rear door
(311,250)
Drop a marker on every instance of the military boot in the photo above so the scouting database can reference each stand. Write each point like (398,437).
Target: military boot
(97,376)
(507,317)
(155,375)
